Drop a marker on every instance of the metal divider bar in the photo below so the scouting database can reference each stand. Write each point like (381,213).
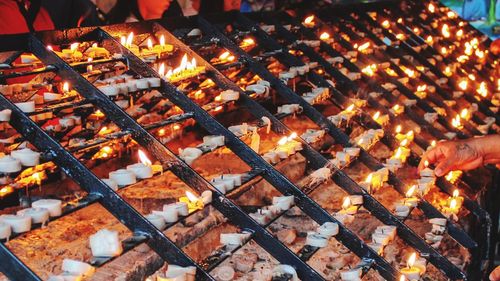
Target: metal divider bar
(224,205)
(340,178)
(455,231)
(92,184)
(11,265)
(408,233)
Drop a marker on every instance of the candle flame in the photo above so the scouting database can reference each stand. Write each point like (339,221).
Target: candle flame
(432,8)
(404,142)
(130,40)
(455,193)
(292,136)
(161,132)
(74,46)
(309,20)
(455,122)
(150,44)
(453,203)
(324,36)
(482,90)
(364,46)
(386,24)
(426,163)
(400,36)
(464,114)
(161,69)
(400,20)
(399,151)
(463,84)
(398,129)
(176,127)
(191,196)
(49,47)
(162,40)
(411,260)
(449,177)
(402,278)
(421,88)
(411,191)
(396,107)
(369,178)
(460,33)
(447,71)
(433,143)
(444,51)
(472,77)
(376,115)
(248,41)
(143,158)
(429,39)
(445,30)
(346,203)
(410,134)
(351,107)
(224,55)
(65,87)
(282,141)
(123,40)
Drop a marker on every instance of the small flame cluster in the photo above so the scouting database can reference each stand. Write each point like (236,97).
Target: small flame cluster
(187,69)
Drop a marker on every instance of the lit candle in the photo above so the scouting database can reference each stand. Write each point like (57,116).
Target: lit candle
(143,169)
(410,271)
(309,21)
(192,201)
(410,199)
(347,207)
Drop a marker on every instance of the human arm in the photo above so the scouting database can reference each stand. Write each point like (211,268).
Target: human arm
(463,154)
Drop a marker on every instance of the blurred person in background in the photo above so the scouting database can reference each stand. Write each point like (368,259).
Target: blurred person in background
(22,16)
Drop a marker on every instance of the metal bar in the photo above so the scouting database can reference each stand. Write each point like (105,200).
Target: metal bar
(14,268)
(370,203)
(428,209)
(92,184)
(234,213)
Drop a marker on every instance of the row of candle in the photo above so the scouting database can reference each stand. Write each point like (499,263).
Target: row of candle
(186,70)
(350,206)
(279,204)
(375,180)
(343,158)
(14,162)
(286,146)
(39,213)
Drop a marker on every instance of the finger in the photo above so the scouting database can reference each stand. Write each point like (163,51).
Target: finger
(431,156)
(471,165)
(495,274)
(444,166)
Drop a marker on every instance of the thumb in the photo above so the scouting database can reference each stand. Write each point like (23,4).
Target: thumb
(495,274)
(444,166)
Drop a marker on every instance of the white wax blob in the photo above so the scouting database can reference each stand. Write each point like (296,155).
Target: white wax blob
(283,202)
(26,107)
(123,177)
(179,273)
(230,95)
(213,141)
(78,268)
(353,274)
(105,243)
(141,170)
(111,183)
(290,108)
(54,206)
(109,90)
(316,240)
(38,215)
(157,220)
(18,224)
(328,229)
(154,82)
(9,164)
(51,96)
(234,238)
(5,230)
(283,269)
(26,156)
(5,115)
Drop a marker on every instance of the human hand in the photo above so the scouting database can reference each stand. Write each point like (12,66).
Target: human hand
(453,155)
(495,274)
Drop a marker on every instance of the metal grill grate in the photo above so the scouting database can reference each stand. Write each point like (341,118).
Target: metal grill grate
(347,22)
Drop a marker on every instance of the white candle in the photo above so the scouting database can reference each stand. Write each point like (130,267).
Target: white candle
(18,223)
(328,229)
(229,95)
(220,186)
(54,206)
(26,107)
(427,172)
(213,141)
(170,215)
(284,269)
(225,273)
(142,84)
(5,230)
(131,85)
(37,215)
(411,272)
(67,122)
(260,218)
(157,220)
(356,199)
(111,183)
(154,82)
(234,238)
(141,170)
(109,90)
(206,196)
(271,157)
(227,182)
(353,274)
(235,177)
(51,96)
(9,164)
(123,177)
(290,108)
(27,157)
(387,229)
(105,243)
(179,273)
(316,240)
(381,238)
(189,154)
(283,202)
(5,115)
(79,268)
(438,221)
